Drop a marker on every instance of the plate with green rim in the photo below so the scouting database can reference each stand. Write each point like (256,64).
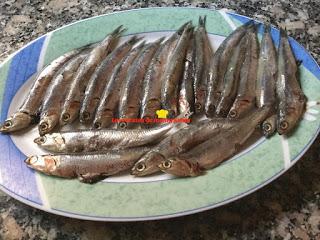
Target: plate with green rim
(123,197)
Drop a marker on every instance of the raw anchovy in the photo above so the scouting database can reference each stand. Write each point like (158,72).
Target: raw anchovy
(97,140)
(88,168)
(186,94)
(203,54)
(292,101)
(110,98)
(245,100)
(70,110)
(29,110)
(218,67)
(51,107)
(173,73)
(151,100)
(231,79)
(212,152)
(179,142)
(131,93)
(266,81)
(100,78)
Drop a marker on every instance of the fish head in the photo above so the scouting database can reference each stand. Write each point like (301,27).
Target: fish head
(16,122)
(180,167)
(288,121)
(44,163)
(52,142)
(147,164)
(240,107)
(70,113)
(47,123)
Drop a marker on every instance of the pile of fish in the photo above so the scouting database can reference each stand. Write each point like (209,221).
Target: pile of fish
(228,94)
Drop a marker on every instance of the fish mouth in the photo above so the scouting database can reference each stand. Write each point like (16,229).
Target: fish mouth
(30,161)
(65,118)
(97,125)
(44,127)
(40,140)
(85,117)
(5,127)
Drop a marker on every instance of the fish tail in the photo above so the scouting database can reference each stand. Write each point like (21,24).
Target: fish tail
(118,31)
(202,21)
(181,29)
(134,40)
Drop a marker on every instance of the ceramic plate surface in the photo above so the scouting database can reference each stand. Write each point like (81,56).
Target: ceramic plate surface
(123,197)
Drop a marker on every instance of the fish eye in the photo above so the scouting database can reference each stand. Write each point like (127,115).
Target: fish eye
(167,164)
(141,166)
(233,113)
(66,117)
(8,124)
(284,125)
(97,125)
(123,125)
(267,127)
(44,126)
(198,106)
(86,116)
(42,139)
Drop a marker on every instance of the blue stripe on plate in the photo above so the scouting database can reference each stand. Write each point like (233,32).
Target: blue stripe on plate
(16,176)
(300,53)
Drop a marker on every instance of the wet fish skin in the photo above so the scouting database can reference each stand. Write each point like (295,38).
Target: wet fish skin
(71,108)
(173,73)
(186,93)
(29,110)
(130,98)
(88,168)
(104,139)
(110,97)
(231,79)
(292,101)
(100,79)
(183,140)
(203,55)
(215,150)
(245,99)
(266,80)
(51,107)
(151,100)
(178,142)
(218,67)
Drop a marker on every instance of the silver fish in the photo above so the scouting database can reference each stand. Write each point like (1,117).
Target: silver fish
(131,95)
(245,99)
(88,168)
(292,101)
(51,107)
(231,79)
(110,99)
(215,150)
(100,79)
(218,67)
(104,139)
(173,73)
(30,109)
(71,108)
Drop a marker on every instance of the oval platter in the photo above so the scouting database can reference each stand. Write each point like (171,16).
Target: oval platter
(123,197)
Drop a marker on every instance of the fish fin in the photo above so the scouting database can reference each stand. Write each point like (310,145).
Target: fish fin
(91,178)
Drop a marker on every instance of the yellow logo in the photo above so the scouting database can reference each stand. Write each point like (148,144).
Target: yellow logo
(162,113)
